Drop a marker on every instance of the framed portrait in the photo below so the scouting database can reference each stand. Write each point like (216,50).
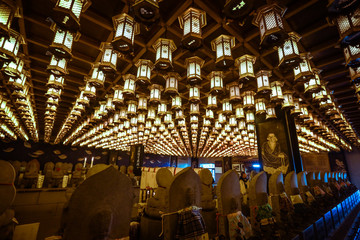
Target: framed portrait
(273,146)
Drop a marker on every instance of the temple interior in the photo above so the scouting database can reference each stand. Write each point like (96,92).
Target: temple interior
(179,119)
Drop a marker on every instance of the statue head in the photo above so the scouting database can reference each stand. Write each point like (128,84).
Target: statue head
(272,138)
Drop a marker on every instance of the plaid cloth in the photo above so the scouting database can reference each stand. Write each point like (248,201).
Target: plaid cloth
(190,225)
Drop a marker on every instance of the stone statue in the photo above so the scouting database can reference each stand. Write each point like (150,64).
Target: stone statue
(31,173)
(7,193)
(184,191)
(207,197)
(77,174)
(123,169)
(58,174)
(48,171)
(158,202)
(100,208)
(229,199)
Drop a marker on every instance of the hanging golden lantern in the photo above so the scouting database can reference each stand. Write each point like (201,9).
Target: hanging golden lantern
(171,86)
(212,102)
(83,99)
(61,46)
(90,90)
(194,94)
(314,84)
(234,92)
(260,107)
(352,56)
(176,102)
(17,83)
(155,93)
(142,103)
(55,81)
(216,82)
(242,124)
(288,52)
(97,77)
(304,112)
(248,99)
(191,21)
(303,71)
(263,83)
(194,109)
(110,107)
(132,107)
(108,59)
(355,73)
(270,23)
(319,96)
(53,92)
(125,30)
(52,101)
(245,64)
(193,65)
(270,112)
(276,91)
(129,85)
(162,108)
(118,97)
(67,13)
(57,66)
(179,115)
(239,112)
(250,117)
(10,45)
(226,106)
(8,10)
(164,48)
(222,45)
(250,127)
(151,114)
(146,10)
(327,103)
(348,25)
(288,102)
(144,71)
(209,114)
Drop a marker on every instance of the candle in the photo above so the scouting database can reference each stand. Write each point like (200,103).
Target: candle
(85,162)
(92,161)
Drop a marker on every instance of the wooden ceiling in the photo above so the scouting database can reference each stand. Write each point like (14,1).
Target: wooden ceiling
(306,17)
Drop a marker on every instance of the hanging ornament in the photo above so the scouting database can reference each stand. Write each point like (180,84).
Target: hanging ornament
(144,71)
(125,30)
(191,21)
(245,64)
(61,46)
(171,86)
(164,49)
(129,85)
(10,45)
(234,91)
(193,65)
(222,45)
(288,52)
(108,59)
(57,66)
(216,82)
(276,91)
(263,83)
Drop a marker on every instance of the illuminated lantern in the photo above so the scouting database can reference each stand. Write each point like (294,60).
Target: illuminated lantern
(62,43)
(320,96)
(263,83)
(352,56)
(55,81)
(102,109)
(250,127)
(125,30)
(132,107)
(212,102)
(239,112)
(57,66)
(245,64)
(67,13)
(97,77)
(276,91)
(90,90)
(118,97)
(194,94)
(355,73)
(142,103)
(270,23)
(176,103)
(232,121)
(348,26)
(242,125)
(209,114)
(288,52)
(53,92)
(151,114)
(193,65)
(10,45)
(326,104)
(304,112)
(303,71)
(191,21)
(52,101)
(248,99)
(168,118)
(8,10)
(108,59)
(221,118)
(288,102)
(227,107)
(234,92)
(13,68)
(222,45)
(194,109)
(146,10)
(250,117)
(164,48)
(83,99)
(179,115)
(260,107)
(314,84)
(155,93)
(171,86)
(17,83)
(129,85)
(144,71)
(162,108)
(270,112)
(216,82)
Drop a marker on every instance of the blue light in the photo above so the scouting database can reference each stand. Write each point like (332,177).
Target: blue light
(256,165)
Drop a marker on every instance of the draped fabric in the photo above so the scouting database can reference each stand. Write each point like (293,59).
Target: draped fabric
(190,225)
(239,225)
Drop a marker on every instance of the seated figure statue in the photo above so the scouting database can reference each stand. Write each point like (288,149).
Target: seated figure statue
(58,174)
(31,174)
(158,202)
(207,198)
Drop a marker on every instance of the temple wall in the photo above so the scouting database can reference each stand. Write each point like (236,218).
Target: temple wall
(353,165)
